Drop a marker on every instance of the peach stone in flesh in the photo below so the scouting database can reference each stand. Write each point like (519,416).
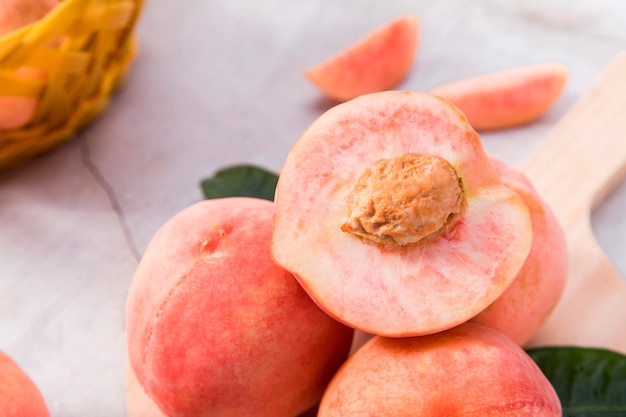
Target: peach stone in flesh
(391,255)
(404,200)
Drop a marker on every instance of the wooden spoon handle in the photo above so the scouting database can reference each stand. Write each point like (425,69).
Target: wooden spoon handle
(585,155)
(580,162)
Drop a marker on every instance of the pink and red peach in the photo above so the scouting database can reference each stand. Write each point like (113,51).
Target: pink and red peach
(216,328)
(469,370)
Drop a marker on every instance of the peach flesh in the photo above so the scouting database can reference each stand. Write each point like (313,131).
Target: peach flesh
(19,396)
(405,200)
(396,290)
(470,370)
(377,62)
(216,328)
(506,98)
(525,305)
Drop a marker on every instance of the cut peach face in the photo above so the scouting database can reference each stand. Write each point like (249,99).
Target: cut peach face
(521,310)
(19,396)
(391,216)
(216,328)
(375,63)
(470,370)
(506,98)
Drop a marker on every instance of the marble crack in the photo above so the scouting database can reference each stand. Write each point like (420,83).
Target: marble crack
(111,195)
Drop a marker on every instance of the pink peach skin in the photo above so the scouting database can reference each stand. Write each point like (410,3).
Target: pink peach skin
(216,328)
(19,396)
(470,370)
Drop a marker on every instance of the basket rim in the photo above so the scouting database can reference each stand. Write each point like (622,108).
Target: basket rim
(58,13)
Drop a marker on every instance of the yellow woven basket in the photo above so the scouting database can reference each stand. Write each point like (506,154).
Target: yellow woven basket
(80,51)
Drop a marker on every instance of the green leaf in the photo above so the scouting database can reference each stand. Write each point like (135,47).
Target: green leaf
(240,181)
(590,382)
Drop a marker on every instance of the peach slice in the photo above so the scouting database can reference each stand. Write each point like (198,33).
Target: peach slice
(375,63)
(470,370)
(391,216)
(19,396)
(506,98)
(521,310)
(216,328)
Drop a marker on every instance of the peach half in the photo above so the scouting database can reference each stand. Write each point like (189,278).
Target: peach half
(506,98)
(470,370)
(216,328)
(19,396)
(375,63)
(391,216)
(526,304)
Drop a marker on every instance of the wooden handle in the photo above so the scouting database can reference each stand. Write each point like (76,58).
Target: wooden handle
(585,155)
(579,163)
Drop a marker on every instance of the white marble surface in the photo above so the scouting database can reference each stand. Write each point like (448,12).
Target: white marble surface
(219,83)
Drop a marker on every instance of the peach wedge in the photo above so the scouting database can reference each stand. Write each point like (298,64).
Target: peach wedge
(506,98)
(470,370)
(216,328)
(375,63)
(391,216)
(19,396)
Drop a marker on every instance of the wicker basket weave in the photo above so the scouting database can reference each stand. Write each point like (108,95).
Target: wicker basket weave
(84,48)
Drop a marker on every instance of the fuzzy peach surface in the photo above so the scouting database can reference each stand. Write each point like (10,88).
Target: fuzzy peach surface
(470,370)
(19,396)
(402,291)
(216,328)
